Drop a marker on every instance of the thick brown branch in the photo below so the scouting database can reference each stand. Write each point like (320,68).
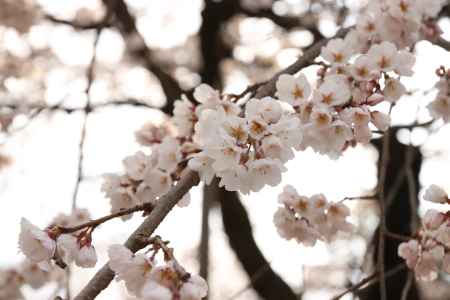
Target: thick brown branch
(265,281)
(398,218)
(441,42)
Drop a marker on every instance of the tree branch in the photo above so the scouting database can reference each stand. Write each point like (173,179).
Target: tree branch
(78,25)
(59,107)
(87,109)
(304,61)
(369,281)
(127,26)
(265,281)
(287,22)
(398,216)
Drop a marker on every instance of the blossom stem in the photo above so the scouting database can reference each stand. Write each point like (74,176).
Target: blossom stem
(168,255)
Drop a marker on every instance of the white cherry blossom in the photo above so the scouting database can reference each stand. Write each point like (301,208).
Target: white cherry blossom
(293,89)
(435,194)
(133,269)
(308,219)
(155,291)
(37,245)
(336,52)
(393,90)
(333,91)
(169,154)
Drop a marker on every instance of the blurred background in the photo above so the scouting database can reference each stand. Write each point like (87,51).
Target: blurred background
(78,78)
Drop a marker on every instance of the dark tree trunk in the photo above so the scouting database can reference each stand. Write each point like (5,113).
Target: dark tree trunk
(398,220)
(237,226)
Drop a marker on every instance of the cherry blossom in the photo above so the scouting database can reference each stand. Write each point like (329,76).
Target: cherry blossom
(293,90)
(435,194)
(337,52)
(10,284)
(133,269)
(428,252)
(77,249)
(308,219)
(33,275)
(38,246)
(439,108)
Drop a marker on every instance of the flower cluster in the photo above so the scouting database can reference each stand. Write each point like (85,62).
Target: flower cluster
(429,251)
(245,148)
(338,112)
(41,247)
(247,144)
(146,177)
(440,107)
(27,273)
(360,71)
(147,280)
(308,219)
(402,22)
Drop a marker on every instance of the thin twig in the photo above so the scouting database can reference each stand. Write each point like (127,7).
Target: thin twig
(356,286)
(407,287)
(397,236)
(37,107)
(414,125)
(263,269)
(370,280)
(78,25)
(385,155)
(87,110)
(146,207)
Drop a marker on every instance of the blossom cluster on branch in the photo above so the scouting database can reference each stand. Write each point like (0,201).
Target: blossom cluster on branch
(44,246)
(148,280)
(26,273)
(41,247)
(147,177)
(309,219)
(429,251)
(69,239)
